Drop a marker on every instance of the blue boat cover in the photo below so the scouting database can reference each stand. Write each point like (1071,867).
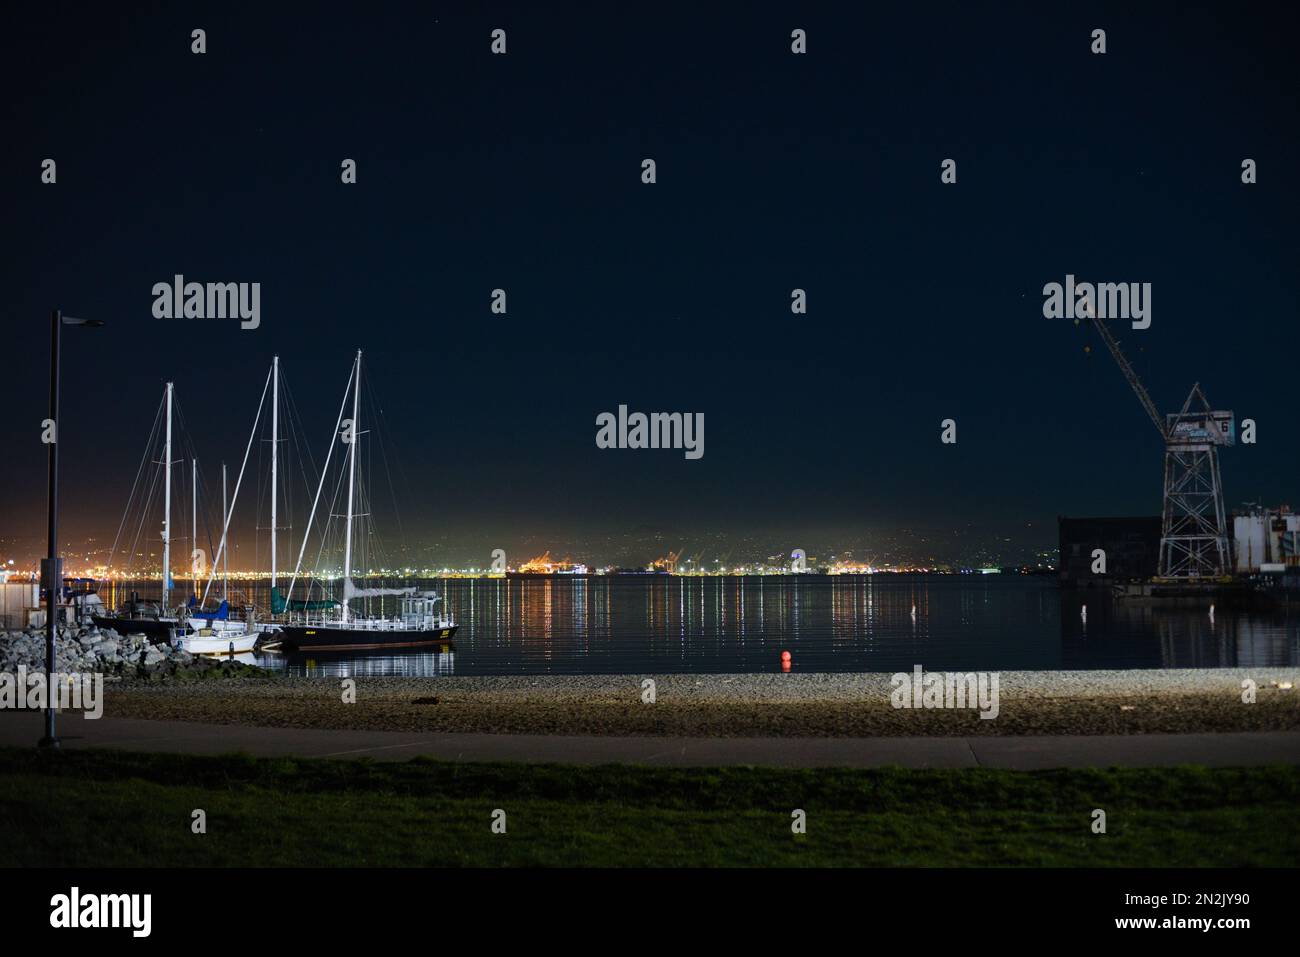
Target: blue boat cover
(220,614)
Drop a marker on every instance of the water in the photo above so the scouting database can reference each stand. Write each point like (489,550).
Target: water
(660,624)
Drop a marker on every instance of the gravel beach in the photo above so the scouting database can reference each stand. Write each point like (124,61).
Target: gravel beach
(848,705)
(148,681)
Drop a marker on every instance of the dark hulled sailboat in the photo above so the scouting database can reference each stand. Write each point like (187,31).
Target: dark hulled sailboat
(142,617)
(417,625)
(152,618)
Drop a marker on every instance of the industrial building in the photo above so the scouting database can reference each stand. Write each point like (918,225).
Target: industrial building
(18,600)
(1132,547)
(1266,540)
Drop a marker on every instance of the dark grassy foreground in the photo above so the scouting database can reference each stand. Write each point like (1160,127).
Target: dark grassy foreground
(103,808)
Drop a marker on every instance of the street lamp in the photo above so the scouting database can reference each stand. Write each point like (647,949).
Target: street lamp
(52,567)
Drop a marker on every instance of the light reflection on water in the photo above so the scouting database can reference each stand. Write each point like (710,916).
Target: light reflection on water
(402,663)
(661,624)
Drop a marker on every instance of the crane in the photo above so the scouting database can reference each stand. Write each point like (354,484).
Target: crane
(668,563)
(1193,536)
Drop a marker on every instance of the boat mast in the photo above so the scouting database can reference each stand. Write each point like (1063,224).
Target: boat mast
(194,521)
(311,516)
(275,449)
(225,556)
(352,474)
(167,507)
(239,482)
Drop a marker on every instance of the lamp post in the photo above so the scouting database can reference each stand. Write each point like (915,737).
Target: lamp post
(51,567)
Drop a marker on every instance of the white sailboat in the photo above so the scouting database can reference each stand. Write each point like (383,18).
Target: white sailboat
(216,633)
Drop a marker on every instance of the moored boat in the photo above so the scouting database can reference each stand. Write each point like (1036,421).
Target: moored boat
(417,626)
(153,618)
(217,642)
(142,617)
(214,633)
(339,628)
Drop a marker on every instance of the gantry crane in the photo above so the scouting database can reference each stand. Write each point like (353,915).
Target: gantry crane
(1193,535)
(668,563)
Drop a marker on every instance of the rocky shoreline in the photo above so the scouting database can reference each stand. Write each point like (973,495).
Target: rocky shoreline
(90,650)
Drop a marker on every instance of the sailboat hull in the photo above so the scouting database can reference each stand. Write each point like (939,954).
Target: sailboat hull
(219,644)
(318,638)
(152,628)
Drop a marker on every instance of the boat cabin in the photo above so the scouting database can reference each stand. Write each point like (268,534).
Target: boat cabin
(418,612)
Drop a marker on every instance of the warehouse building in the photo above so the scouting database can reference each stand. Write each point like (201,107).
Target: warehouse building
(1266,540)
(1132,547)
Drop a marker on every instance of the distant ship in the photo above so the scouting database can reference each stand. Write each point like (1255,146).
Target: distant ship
(578,571)
(544,566)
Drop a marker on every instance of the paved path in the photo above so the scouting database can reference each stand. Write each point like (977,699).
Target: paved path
(1023,753)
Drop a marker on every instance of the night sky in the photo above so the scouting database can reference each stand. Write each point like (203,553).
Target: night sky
(775,171)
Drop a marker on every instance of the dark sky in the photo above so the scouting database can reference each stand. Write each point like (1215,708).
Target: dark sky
(775,171)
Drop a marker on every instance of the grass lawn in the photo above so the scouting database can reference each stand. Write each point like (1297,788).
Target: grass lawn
(104,808)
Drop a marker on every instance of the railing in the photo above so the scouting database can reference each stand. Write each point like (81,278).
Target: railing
(381,624)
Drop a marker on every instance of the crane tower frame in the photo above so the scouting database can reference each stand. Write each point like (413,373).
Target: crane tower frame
(1193,531)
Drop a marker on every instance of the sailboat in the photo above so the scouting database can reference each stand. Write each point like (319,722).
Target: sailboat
(155,620)
(338,628)
(141,616)
(214,632)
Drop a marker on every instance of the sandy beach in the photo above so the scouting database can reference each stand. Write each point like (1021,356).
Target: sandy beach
(834,705)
